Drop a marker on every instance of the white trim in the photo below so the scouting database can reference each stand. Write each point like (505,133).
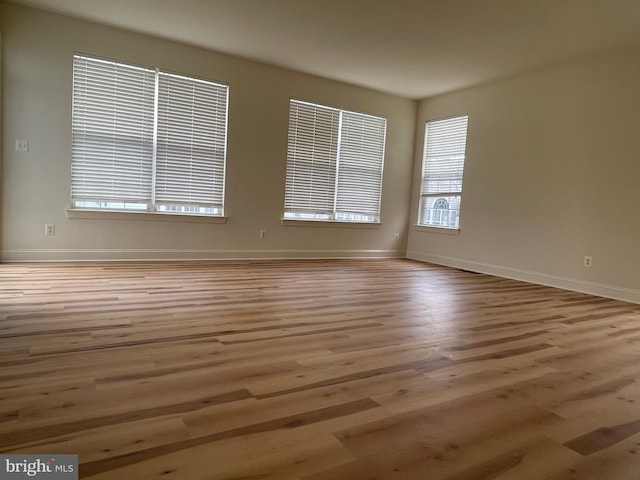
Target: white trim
(434,229)
(73,255)
(75,213)
(292,222)
(599,289)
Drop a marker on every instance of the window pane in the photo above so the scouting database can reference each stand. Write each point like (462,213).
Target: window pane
(440,211)
(191,142)
(442,172)
(360,167)
(311,158)
(112,128)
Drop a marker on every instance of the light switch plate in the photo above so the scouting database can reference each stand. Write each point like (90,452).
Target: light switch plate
(22,145)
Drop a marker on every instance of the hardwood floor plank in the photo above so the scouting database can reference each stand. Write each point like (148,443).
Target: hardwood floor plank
(290,422)
(603,437)
(25,435)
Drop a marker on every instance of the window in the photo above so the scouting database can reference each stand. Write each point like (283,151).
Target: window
(334,164)
(439,212)
(442,169)
(146,140)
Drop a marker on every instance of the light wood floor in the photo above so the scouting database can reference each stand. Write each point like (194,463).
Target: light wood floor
(316,370)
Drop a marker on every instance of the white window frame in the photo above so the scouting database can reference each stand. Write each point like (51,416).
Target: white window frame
(443,160)
(335,163)
(162,132)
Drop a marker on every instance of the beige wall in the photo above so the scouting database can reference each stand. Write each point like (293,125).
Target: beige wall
(37,76)
(552,174)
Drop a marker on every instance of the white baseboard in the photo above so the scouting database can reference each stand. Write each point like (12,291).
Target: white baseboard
(591,288)
(75,255)
(79,255)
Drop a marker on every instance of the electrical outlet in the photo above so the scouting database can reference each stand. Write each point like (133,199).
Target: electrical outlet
(263,233)
(22,145)
(49,228)
(588,261)
(397,236)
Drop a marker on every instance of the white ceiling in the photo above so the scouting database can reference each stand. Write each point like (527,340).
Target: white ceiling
(412,48)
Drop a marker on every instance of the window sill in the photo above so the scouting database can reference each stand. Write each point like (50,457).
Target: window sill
(140,216)
(441,230)
(287,222)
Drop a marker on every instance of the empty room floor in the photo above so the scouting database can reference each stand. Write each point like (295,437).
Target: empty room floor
(315,370)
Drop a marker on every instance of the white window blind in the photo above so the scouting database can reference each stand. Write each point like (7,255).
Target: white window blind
(334,164)
(113,110)
(442,172)
(145,139)
(311,159)
(191,141)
